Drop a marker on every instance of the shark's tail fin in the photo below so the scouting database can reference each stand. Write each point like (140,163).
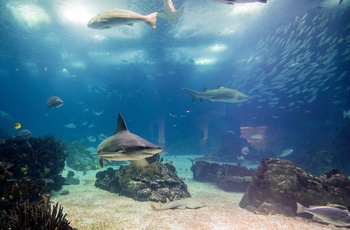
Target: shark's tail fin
(191,92)
(153,207)
(301,208)
(151,19)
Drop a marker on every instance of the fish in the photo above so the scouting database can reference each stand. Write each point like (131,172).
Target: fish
(178,204)
(17,126)
(54,102)
(346,114)
(285,153)
(257,136)
(23,134)
(231,2)
(220,94)
(206,157)
(126,146)
(5,115)
(70,126)
(169,12)
(97,113)
(330,215)
(91,138)
(245,151)
(116,17)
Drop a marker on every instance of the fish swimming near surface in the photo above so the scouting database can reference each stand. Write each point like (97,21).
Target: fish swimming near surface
(346,114)
(126,146)
(169,12)
(328,214)
(285,153)
(116,17)
(220,94)
(206,157)
(231,2)
(54,102)
(178,204)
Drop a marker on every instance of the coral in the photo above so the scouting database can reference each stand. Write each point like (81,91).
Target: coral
(155,182)
(79,157)
(35,216)
(42,157)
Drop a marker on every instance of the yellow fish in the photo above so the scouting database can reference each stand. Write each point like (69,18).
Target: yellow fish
(17,126)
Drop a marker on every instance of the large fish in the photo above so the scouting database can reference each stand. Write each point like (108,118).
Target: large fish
(240,1)
(220,94)
(126,146)
(169,12)
(330,215)
(179,204)
(116,17)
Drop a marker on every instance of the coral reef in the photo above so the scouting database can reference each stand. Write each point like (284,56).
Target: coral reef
(278,184)
(155,182)
(42,157)
(34,216)
(230,178)
(80,158)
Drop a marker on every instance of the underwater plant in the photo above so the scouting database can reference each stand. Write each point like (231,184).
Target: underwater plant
(35,216)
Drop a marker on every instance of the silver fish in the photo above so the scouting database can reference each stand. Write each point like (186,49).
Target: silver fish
(330,215)
(285,153)
(116,17)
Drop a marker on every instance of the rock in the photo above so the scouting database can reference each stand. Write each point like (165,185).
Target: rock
(278,184)
(155,182)
(231,178)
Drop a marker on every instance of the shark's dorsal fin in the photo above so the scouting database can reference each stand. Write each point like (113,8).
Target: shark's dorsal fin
(121,124)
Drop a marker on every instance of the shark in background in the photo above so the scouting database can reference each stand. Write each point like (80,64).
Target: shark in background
(220,94)
(126,146)
(169,12)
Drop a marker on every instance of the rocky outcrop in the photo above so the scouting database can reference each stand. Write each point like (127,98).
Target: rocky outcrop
(278,184)
(155,182)
(231,178)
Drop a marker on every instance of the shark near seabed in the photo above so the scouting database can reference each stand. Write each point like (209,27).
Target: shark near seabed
(220,94)
(126,146)
(179,204)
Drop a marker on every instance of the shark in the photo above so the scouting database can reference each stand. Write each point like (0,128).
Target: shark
(126,146)
(169,12)
(179,204)
(220,94)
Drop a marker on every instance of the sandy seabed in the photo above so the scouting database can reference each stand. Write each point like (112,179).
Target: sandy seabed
(89,207)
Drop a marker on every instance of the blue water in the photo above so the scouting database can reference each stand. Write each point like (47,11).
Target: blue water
(139,71)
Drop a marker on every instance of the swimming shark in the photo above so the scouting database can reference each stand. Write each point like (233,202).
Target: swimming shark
(126,146)
(169,12)
(220,94)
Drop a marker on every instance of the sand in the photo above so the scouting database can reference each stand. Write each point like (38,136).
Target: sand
(88,207)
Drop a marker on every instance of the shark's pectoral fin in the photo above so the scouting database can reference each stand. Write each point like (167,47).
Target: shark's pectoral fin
(140,163)
(101,162)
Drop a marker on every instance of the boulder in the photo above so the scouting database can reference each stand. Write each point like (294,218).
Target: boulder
(231,178)
(155,182)
(278,184)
